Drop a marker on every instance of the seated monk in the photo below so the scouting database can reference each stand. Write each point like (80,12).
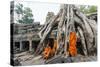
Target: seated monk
(46,52)
(49,52)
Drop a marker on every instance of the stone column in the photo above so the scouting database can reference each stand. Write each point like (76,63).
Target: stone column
(21,46)
(30,45)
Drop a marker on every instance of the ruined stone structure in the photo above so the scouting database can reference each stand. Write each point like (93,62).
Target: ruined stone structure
(25,36)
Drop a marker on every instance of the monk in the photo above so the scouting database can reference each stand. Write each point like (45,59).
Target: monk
(49,52)
(72,44)
(46,52)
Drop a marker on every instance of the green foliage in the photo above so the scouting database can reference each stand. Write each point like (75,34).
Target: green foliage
(24,13)
(92,9)
(19,9)
(88,9)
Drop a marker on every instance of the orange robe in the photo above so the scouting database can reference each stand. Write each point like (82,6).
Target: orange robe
(46,52)
(72,44)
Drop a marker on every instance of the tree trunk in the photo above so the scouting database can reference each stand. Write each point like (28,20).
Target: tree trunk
(48,29)
(71,19)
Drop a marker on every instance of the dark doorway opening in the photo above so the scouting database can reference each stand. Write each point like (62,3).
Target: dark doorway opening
(51,42)
(17,44)
(35,44)
(25,45)
(16,47)
(79,48)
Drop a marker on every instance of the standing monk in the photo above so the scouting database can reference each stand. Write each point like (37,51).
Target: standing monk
(72,44)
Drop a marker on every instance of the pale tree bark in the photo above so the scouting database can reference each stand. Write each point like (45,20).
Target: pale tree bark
(69,16)
(45,26)
(46,32)
(60,29)
(88,33)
